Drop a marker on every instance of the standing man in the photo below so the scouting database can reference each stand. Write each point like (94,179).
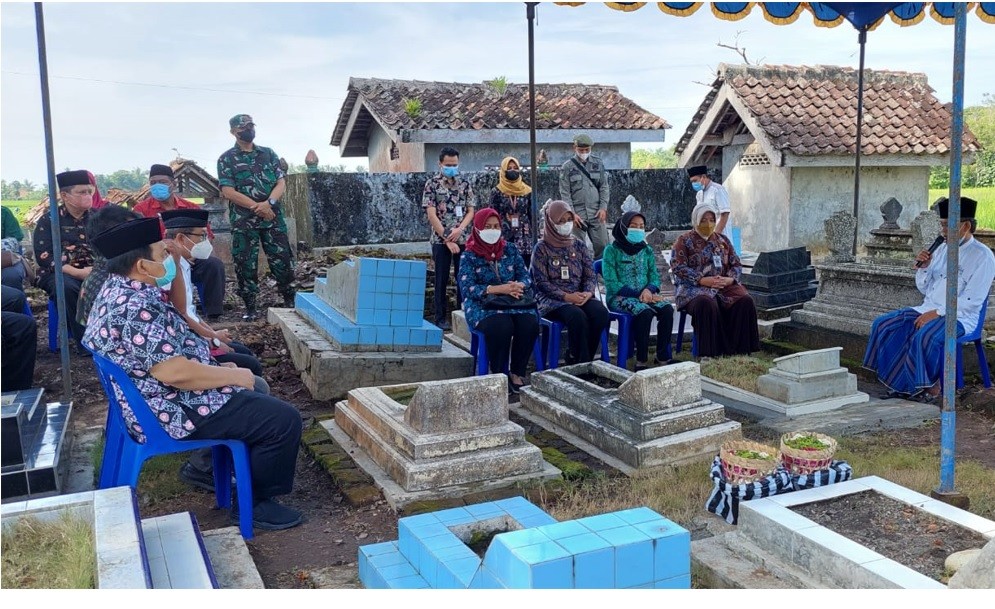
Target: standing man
(448,201)
(76,194)
(584,185)
(252,181)
(708,191)
(208,272)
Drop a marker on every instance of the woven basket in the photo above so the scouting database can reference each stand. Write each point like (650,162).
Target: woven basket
(807,461)
(739,470)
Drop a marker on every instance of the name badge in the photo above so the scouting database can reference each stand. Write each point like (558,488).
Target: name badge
(564,272)
(514,221)
(459,211)
(717,261)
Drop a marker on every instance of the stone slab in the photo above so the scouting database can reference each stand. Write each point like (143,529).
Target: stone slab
(329,374)
(832,384)
(767,407)
(779,282)
(442,407)
(806,362)
(230,558)
(662,388)
(788,297)
(782,261)
(397,497)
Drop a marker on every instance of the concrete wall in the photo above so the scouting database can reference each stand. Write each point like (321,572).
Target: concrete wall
(410,159)
(818,192)
(337,209)
(475,157)
(759,196)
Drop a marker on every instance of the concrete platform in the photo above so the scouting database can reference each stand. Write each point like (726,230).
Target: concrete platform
(329,374)
(768,407)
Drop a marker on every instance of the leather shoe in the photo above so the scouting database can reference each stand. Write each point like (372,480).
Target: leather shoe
(196,478)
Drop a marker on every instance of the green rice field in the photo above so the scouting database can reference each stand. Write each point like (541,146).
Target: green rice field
(986,203)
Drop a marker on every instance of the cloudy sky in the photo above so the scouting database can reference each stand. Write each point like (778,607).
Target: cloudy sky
(131,82)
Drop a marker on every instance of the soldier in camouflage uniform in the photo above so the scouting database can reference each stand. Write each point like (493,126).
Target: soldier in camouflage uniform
(253,182)
(584,185)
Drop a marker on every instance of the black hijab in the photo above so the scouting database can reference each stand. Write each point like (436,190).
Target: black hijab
(621,229)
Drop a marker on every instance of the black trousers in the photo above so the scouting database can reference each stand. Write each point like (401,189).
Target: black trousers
(724,330)
(20,338)
(514,332)
(211,274)
(243,357)
(442,258)
(272,430)
(13,299)
(584,327)
(73,286)
(664,329)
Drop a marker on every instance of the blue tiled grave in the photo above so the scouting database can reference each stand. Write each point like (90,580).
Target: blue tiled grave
(372,304)
(635,548)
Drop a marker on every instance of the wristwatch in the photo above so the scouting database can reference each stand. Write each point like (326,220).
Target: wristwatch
(273,201)
(216,341)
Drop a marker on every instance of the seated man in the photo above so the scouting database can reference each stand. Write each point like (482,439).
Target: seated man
(191,395)
(906,346)
(20,336)
(108,217)
(188,230)
(210,271)
(76,194)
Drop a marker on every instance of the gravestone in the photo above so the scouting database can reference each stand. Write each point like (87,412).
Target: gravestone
(35,445)
(451,438)
(840,236)
(810,381)
(630,420)
(781,280)
(363,326)
(925,228)
(890,211)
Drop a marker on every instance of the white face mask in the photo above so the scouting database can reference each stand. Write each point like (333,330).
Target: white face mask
(565,229)
(583,155)
(202,250)
(490,236)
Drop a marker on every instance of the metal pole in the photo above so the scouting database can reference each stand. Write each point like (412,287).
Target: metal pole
(53,207)
(862,39)
(530,12)
(948,415)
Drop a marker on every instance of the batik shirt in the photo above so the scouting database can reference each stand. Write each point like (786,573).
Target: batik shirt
(75,249)
(452,199)
(134,325)
(557,271)
(254,174)
(476,273)
(694,257)
(516,219)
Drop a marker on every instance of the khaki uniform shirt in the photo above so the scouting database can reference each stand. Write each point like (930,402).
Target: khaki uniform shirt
(584,197)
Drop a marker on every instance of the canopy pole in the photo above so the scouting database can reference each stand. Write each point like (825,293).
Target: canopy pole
(53,207)
(948,414)
(862,39)
(530,12)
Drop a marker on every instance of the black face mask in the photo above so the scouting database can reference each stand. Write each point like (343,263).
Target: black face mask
(512,174)
(247,135)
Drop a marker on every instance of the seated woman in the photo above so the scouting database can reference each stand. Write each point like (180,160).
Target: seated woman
(565,284)
(512,200)
(706,272)
(633,286)
(191,395)
(495,283)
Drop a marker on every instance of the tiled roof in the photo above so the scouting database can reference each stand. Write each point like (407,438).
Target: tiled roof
(446,105)
(812,110)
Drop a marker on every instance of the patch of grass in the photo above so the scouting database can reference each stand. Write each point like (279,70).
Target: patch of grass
(499,84)
(49,554)
(158,480)
(984,196)
(412,107)
(737,370)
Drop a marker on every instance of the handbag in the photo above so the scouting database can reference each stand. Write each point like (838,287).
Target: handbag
(501,302)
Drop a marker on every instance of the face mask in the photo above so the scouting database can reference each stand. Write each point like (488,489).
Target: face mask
(635,235)
(248,135)
(705,229)
(170,272)
(160,192)
(450,172)
(512,174)
(490,236)
(565,229)
(697,186)
(583,155)
(202,250)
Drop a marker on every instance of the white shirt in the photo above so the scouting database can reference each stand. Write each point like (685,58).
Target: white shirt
(975,273)
(188,284)
(717,195)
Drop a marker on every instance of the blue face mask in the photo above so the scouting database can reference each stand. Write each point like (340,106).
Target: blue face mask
(635,235)
(450,172)
(697,186)
(170,267)
(159,192)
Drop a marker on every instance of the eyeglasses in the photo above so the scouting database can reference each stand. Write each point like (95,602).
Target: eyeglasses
(201,236)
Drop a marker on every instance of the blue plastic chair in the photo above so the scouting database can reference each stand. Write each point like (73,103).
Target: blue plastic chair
(478,349)
(551,333)
(53,327)
(27,309)
(680,334)
(626,341)
(124,456)
(976,337)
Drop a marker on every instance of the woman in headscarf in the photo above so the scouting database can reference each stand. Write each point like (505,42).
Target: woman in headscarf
(707,274)
(632,283)
(495,285)
(565,284)
(512,199)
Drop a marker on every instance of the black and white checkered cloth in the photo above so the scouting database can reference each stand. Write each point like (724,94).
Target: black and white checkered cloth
(838,471)
(725,498)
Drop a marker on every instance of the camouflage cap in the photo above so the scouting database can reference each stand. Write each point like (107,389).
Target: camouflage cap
(240,120)
(583,140)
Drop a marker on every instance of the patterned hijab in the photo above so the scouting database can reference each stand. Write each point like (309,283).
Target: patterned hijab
(620,231)
(477,245)
(516,188)
(554,212)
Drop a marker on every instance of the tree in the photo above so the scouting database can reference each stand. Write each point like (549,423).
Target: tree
(981,121)
(657,158)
